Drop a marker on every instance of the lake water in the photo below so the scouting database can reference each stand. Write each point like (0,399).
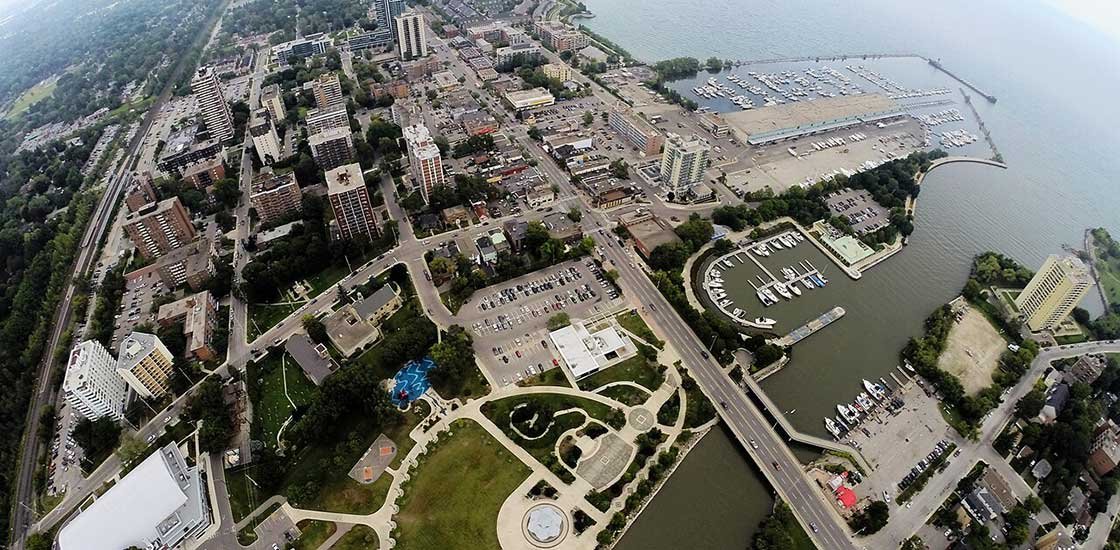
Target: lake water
(1055,123)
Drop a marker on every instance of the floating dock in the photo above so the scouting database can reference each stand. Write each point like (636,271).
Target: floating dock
(810,328)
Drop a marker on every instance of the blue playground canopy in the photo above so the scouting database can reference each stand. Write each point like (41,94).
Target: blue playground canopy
(411,381)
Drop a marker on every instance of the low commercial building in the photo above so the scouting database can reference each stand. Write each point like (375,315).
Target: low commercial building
(145,364)
(715,124)
(273,196)
(648,231)
(636,131)
(478,123)
(445,80)
(91,385)
(611,197)
(398,89)
(795,120)
(159,504)
(521,100)
(198,313)
(540,194)
(561,227)
(586,353)
(309,46)
(1087,369)
(356,325)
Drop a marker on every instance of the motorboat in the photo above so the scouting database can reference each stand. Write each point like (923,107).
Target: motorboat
(808,285)
(832,428)
(776,244)
(737,313)
(782,290)
(874,390)
(847,414)
(796,290)
(765,321)
(770,294)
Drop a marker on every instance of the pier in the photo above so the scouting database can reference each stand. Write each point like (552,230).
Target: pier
(937,64)
(800,437)
(810,328)
(996,155)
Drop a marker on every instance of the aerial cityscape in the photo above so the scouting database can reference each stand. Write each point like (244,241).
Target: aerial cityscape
(551,274)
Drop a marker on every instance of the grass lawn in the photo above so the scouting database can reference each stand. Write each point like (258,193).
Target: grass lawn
(359,537)
(314,533)
(265,316)
(436,513)
(31,96)
(542,448)
(274,407)
(634,369)
(628,395)
(635,324)
(551,377)
(1109,270)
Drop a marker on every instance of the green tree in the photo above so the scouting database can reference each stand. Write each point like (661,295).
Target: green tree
(669,257)
(871,519)
(575,214)
(131,448)
(588,118)
(315,328)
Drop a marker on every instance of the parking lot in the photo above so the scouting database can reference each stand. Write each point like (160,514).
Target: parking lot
(862,212)
(510,321)
(64,469)
(136,305)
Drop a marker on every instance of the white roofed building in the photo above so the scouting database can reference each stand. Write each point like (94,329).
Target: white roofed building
(92,385)
(586,353)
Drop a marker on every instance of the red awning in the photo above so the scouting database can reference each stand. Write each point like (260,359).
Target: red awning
(846,496)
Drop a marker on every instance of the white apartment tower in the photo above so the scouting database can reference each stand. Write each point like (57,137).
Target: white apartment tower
(424,161)
(683,163)
(1055,290)
(328,92)
(92,386)
(265,140)
(212,105)
(410,35)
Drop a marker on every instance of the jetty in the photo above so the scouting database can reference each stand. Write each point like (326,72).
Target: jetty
(795,435)
(996,155)
(937,64)
(810,328)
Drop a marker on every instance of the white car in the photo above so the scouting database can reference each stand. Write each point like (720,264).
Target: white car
(886,497)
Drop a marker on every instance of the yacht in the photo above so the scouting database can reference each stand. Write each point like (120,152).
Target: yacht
(776,244)
(762,298)
(808,285)
(832,428)
(873,389)
(770,295)
(864,401)
(725,302)
(782,291)
(847,414)
(737,313)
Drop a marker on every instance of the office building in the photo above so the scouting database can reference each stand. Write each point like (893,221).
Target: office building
(265,140)
(387,13)
(424,161)
(328,92)
(159,504)
(320,120)
(683,163)
(353,212)
(308,46)
(557,71)
(635,130)
(559,36)
(91,385)
(521,100)
(157,228)
(198,313)
(411,41)
(275,196)
(332,148)
(145,364)
(272,98)
(1054,291)
(212,105)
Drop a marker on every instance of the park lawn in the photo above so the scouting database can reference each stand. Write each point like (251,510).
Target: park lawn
(31,96)
(627,395)
(551,377)
(542,448)
(635,324)
(1109,271)
(314,533)
(265,316)
(274,407)
(454,499)
(359,537)
(635,369)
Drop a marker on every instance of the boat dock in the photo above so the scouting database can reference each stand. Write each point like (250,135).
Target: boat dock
(810,328)
(937,64)
(804,438)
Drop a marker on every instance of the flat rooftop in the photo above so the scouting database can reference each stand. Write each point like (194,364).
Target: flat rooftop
(808,113)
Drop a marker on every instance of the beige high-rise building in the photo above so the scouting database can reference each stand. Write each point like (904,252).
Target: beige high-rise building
(328,92)
(265,140)
(274,196)
(158,228)
(146,364)
(321,121)
(273,100)
(353,212)
(424,161)
(410,35)
(683,163)
(1055,290)
(215,111)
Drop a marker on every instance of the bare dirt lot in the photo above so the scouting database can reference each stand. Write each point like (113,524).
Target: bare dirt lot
(973,351)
